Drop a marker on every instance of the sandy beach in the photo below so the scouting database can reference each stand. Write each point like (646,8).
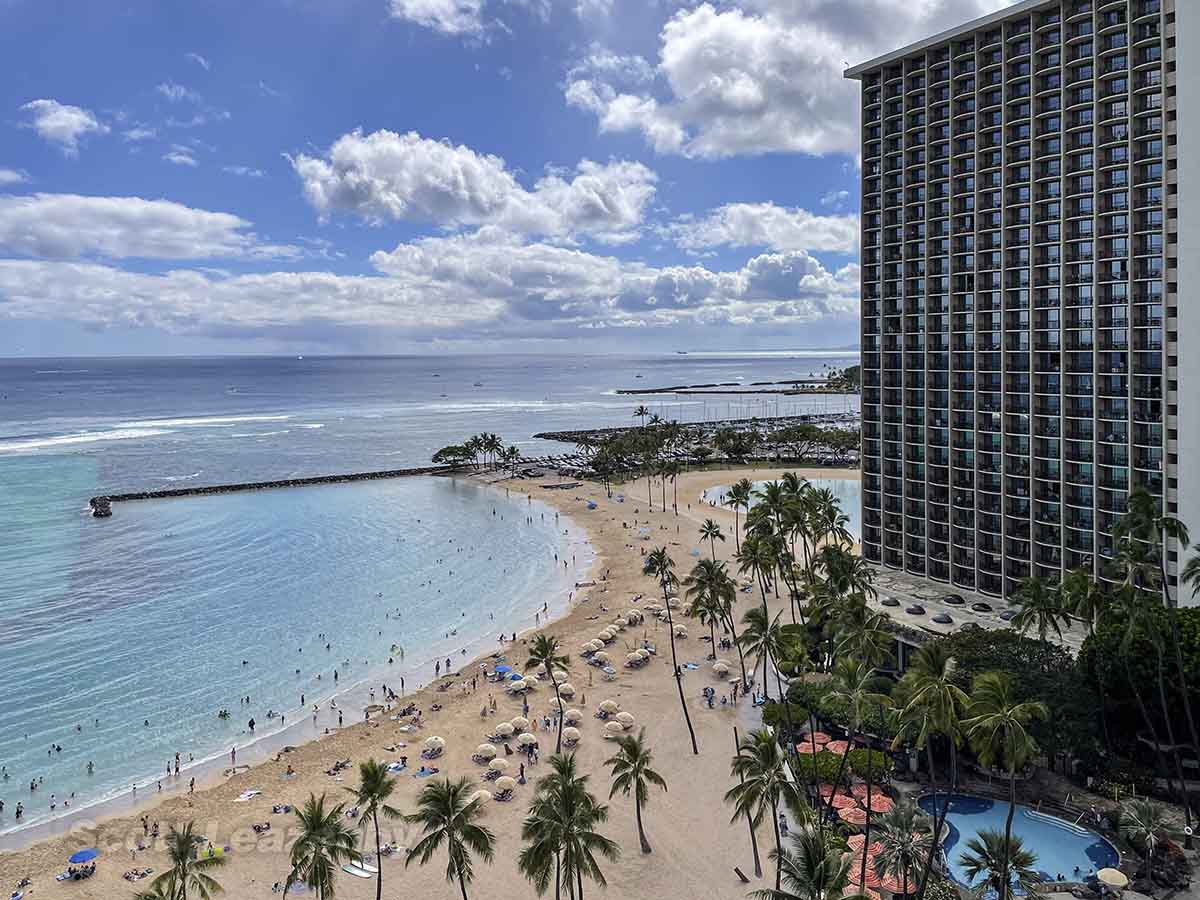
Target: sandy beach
(695,846)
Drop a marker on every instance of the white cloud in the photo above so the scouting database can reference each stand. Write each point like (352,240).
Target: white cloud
(618,68)
(140,133)
(12,176)
(180,156)
(64,226)
(453,17)
(199,60)
(59,123)
(244,171)
(835,198)
(764,78)
(385,175)
(766,225)
(593,9)
(177,93)
(267,91)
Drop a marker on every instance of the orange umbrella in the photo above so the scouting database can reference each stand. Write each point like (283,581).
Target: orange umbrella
(837,747)
(807,748)
(819,737)
(853,816)
(881,803)
(856,862)
(853,890)
(894,884)
(859,789)
(842,801)
(856,841)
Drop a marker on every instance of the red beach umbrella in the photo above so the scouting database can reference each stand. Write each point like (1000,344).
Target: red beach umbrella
(853,815)
(881,803)
(819,737)
(837,747)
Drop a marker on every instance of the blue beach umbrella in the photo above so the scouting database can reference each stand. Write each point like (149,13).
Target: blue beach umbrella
(515,676)
(82,856)
(501,670)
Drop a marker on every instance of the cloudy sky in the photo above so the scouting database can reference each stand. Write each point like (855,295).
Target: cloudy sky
(434,175)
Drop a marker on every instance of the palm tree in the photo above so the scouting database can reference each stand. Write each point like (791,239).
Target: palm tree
(738,498)
(763,639)
(1041,608)
(632,774)
(560,832)
(998,729)
(905,841)
(999,857)
(188,873)
(375,788)
(545,651)
(1085,600)
(706,585)
(812,870)
(449,816)
(324,844)
(1144,824)
(640,413)
(710,531)
(156,891)
(760,765)
(660,565)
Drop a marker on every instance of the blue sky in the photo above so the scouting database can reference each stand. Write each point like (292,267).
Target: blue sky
(434,175)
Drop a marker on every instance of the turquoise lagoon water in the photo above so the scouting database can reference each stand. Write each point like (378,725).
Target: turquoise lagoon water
(847,491)
(172,610)
(1062,848)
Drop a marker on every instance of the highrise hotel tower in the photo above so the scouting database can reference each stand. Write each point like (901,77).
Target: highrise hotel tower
(1030,288)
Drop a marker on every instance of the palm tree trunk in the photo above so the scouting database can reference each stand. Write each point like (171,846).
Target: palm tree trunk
(841,768)
(1162,699)
(939,817)
(675,494)
(579,878)
(712,544)
(1172,617)
(462,884)
(712,636)
(679,675)
(378,861)
(1005,877)
(778,843)
(637,808)
(558,708)
(737,544)
(557,876)
(738,646)
(749,821)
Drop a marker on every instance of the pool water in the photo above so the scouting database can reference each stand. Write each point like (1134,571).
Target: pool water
(1061,848)
(847,492)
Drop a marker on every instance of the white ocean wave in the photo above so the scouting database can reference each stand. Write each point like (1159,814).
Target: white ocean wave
(202,422)
(181,477)
(85,437)
(314,425)
(259,434)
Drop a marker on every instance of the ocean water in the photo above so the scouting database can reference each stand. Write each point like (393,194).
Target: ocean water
(172,610)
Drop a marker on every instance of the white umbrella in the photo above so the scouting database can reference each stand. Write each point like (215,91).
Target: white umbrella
(487,751)
(602,657)
(498,765)
(481,797)
(504,783)
(633,657)
(643,652)
(609,706)
(721,668)
(572,716)
(526,738)
(680,631)
(571,734)
(532,678)
(560,676)
(518,687)
(505,729)
(611,728)
(1113,878)
(435,741)
(625,718)
(520,723)
(567,689)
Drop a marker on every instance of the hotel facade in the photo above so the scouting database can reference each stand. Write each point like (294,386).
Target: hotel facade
(1030,288)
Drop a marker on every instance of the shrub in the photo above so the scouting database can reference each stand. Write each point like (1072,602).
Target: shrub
(880,767)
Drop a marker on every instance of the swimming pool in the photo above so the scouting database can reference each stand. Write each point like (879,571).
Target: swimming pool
(847,492)
(1061,847)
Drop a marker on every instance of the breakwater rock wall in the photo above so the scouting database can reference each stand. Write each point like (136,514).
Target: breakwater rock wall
(102,505)
(706,430)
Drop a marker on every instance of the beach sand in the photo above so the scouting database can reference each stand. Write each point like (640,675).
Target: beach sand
(695,846)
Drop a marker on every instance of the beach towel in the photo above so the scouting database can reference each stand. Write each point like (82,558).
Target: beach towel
(245,796)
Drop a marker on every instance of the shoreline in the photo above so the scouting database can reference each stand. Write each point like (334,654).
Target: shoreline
(693,806)
(212,769)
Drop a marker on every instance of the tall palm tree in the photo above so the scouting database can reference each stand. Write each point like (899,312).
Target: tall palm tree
(1088,602)
(763,639)
(156,891)
(738,498)
(812,869)
(640,413)
(1144,824)
(324,844)
(188,874)
(1041,608)
(660,565)
(449,817)
(706,586)
(905,842)
(710,531)
(546,651)
(632,773)
(763,784)
(560,832)
(1001,858)
(997,726)
(375,789)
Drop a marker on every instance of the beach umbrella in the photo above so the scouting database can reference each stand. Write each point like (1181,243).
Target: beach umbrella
(842,801)
(837,747)
(560,676)
(872,879)
(632,657)
(505,729)
(626,718)
(571,734)
(514,676)
(505,783)
(680,631)
(859,789)
(852,816)
(498,765)
(721,668)
(609,706)
(609,670)
(826,789)
(818,737)
(643,652)
(572,716)
(481,797)
(518,686)
(881,803)
(585,647)
(806,748)
(853,890)
(520,723)
(602,657)
(503,670)
(82,856)
(855,842)
(435,741)
(631,618)
(1113,878)
(566,689)
(525,739)
(613,728)
(487,751)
